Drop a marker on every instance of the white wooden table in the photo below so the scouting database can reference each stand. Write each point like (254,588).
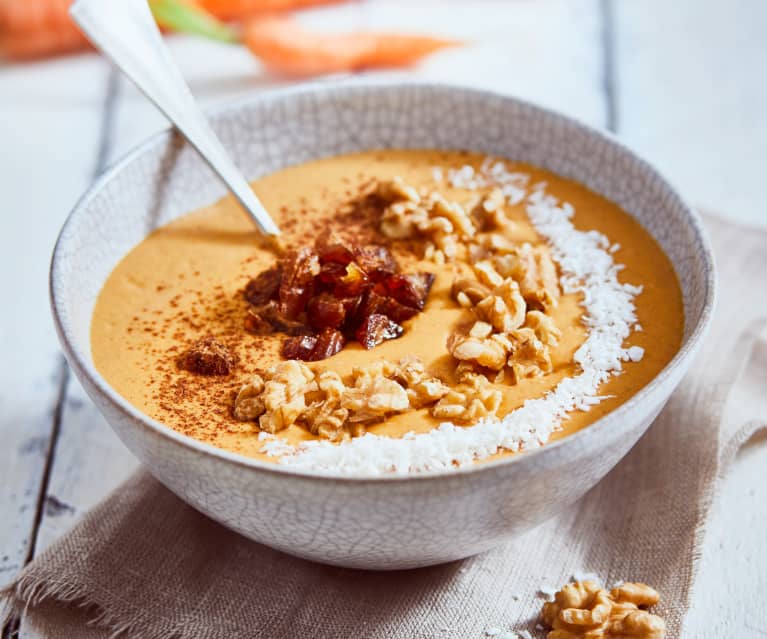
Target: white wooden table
(684,82)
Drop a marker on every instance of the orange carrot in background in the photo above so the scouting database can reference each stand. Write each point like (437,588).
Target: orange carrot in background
(286,47)
(37,28)
(239,9)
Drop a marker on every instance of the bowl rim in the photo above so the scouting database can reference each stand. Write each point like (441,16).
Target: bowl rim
(87,369)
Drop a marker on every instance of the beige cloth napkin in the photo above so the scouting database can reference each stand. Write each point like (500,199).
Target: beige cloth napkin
(145,565)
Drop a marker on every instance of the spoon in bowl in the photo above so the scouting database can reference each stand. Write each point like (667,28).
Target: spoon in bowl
(126,32)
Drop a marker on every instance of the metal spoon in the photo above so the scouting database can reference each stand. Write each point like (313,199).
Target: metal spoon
(125,31)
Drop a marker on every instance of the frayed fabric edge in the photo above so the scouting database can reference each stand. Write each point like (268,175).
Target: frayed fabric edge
(21,597)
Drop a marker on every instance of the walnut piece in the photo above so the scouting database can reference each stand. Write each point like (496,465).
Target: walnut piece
(372,398)
(284,395)
(291,393)
(482,351)
(544,327)
(528,356)
(471,400)
(584,610)
(207,356)
(534,269)
(440,222)
(249,405)
(489,212)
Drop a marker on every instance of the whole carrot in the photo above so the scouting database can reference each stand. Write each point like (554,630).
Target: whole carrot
(288,48)
(239,9)
(37,28)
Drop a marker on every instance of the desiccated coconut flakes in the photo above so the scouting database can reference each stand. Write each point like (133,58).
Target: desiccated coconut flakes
(587,267)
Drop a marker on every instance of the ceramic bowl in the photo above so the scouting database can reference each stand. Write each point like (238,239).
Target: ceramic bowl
(382,522)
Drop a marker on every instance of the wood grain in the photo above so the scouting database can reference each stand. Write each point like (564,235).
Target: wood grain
(682,82)
(47,161)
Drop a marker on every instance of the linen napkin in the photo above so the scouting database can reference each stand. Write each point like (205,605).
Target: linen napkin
(145,565)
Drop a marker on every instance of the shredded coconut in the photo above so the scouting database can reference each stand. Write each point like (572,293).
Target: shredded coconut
(493,632)
(587,268)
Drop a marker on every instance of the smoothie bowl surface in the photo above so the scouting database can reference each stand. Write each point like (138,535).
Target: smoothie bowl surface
(405,509)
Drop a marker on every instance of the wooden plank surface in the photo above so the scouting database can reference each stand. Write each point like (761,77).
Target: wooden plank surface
(605,63)
(48,158)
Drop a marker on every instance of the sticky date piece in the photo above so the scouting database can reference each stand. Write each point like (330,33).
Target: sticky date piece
(264,287)
(376,329)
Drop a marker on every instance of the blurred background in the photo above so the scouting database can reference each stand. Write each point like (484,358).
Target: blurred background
(683,83)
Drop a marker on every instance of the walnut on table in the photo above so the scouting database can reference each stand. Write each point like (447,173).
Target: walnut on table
(584,610)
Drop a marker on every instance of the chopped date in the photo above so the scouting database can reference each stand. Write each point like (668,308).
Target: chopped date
(329,342)
(337,290)
(332,249)
(378,303)
(256,324)
(274,314)
(325,311)
(376,261)
(376,329)
(353,283)
(411,289)
(299,267)
(299,347)
(264,286)
(331,274)
(312,348)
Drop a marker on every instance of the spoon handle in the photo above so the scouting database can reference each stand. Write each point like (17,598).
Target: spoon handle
(125,31)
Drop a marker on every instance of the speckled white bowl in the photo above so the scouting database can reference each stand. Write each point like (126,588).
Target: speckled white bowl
(380,523)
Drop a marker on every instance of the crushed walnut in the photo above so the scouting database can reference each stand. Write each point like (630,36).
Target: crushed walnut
(514,286)
(291,393)
(207,356)
(584,610)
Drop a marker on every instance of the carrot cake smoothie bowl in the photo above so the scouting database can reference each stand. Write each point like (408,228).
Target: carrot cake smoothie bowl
(443,348)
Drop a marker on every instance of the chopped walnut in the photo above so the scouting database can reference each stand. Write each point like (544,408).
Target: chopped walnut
(207,356)
(325,416)
(249,405)
(584,610)
(534,269)
(505,309)
(468,292)
(373,398)
(544,327)
(452,211)
(284,395)
(489,212)
(528,357)
(422,389)
(482,351)
(487,274)
(396,190)
(471,400)
(439,222)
